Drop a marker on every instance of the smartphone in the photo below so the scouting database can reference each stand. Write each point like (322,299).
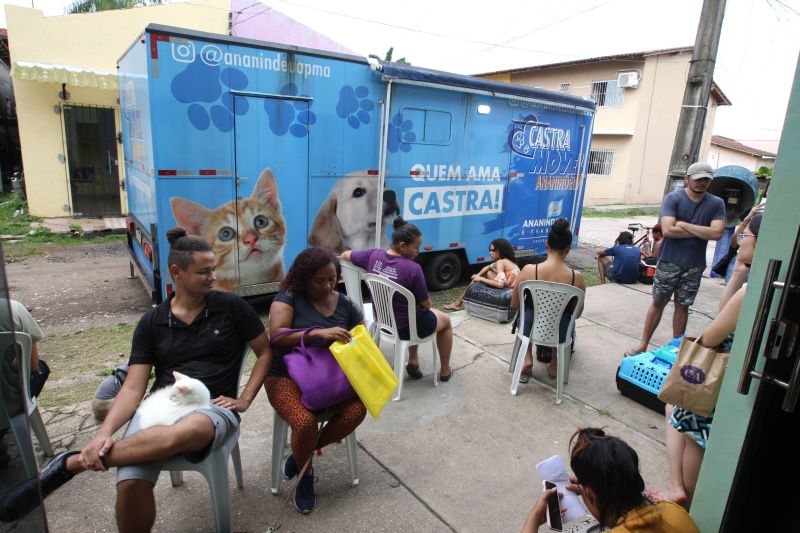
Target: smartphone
(553,508)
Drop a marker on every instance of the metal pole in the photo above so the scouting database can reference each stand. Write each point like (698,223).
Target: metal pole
(698,88)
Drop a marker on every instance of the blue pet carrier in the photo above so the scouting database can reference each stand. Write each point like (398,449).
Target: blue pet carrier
(640,377)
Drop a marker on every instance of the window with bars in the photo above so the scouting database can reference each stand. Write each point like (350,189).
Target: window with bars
(566,87)
(601,162)
(607,93)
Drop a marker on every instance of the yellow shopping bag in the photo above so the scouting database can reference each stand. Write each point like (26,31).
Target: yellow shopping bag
(366,368)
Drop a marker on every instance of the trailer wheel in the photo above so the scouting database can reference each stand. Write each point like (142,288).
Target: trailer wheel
(443,271)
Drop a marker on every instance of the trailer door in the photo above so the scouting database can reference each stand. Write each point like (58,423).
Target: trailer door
(271,165)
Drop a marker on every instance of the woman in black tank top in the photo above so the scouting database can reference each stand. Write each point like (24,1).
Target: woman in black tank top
(555,269)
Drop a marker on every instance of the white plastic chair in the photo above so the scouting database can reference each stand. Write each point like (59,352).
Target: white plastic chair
(352,277)
(280,433)
(215,469)
(383,291)
(19,424)
(550,300)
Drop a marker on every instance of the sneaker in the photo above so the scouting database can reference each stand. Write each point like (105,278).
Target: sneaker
(304,498)
(21,499)
(289,467)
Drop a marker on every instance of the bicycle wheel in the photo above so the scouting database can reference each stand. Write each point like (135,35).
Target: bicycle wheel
(647,245)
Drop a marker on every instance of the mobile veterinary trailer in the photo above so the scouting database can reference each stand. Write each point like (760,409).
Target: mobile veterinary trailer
(265,149)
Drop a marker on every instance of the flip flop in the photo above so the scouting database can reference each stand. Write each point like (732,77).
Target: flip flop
(632,352)
(453,307)
(525,376)
(445,379)
(414,372)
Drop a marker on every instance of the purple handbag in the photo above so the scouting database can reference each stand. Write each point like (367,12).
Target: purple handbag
(320,378)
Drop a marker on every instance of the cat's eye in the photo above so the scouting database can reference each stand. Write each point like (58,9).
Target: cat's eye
(358,192)
(260,222)
(226,234)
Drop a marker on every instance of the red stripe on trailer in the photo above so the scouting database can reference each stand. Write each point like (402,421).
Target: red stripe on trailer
(154,38)
(453,245)
(208,172)
(167,172)
(478,260)
(372,172)
(415,173)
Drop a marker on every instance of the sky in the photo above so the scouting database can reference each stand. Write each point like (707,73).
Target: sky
(755,66)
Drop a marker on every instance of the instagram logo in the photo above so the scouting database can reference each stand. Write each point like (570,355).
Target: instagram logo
(211,55)
(183,51)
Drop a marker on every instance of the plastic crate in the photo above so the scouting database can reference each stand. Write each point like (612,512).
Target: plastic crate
(641,376)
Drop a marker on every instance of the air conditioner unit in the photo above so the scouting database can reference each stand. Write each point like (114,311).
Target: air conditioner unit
(628,80)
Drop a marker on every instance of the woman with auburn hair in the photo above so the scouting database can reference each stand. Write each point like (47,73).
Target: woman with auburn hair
(307,298)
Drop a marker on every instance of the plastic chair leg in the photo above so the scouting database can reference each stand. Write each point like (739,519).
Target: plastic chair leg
(216,473)
(25,446)
(176,477)
(560,373)
(520,362)
(37,425)
(436,365)
(568,359)
(237,466)
(280,429)
(352,448)
(400,354)
(514,353)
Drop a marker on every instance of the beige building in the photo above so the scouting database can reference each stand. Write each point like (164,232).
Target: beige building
(725,151)
(64,71)
(638,99)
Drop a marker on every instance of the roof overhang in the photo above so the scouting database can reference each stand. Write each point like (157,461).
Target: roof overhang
(75,76)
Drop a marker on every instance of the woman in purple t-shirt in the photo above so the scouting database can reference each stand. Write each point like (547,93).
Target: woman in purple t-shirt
(397,263)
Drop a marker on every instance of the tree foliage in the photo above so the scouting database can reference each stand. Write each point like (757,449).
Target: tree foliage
(388,57)
(763,172)
(90,6)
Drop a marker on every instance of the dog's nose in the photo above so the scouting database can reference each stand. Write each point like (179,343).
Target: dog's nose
(390,205)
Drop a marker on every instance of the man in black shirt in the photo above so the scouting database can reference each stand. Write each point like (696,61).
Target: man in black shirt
(197,331)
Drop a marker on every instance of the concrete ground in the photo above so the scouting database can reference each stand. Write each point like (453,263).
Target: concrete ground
(459,457)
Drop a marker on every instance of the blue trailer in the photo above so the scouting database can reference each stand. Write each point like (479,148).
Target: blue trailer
(266,149)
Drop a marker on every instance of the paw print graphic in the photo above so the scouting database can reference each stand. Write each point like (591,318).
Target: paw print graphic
(207,91)
(400,134)
(354,106)
(289,116)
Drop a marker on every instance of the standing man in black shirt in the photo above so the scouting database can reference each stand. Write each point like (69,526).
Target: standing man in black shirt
(198,332)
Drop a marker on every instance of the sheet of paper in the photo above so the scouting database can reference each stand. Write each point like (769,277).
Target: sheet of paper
(554,471)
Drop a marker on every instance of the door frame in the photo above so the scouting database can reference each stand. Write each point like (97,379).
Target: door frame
(64,155)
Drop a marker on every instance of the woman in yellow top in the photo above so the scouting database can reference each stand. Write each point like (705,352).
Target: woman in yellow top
(607,477)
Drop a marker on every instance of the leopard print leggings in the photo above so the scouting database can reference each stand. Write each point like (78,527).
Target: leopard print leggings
(284,395)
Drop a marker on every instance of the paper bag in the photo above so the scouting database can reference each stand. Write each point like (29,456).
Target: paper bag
(696,377)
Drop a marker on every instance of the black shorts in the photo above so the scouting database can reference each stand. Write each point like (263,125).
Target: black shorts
(426,325)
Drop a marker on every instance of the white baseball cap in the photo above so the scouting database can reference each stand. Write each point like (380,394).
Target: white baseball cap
(700,170)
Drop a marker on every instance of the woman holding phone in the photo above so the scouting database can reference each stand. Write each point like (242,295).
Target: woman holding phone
(607,477)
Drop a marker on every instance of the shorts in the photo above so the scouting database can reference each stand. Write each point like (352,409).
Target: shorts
(696,426)
(225,422)
(426,325)
(610,271)
(671,278)
(563,325)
